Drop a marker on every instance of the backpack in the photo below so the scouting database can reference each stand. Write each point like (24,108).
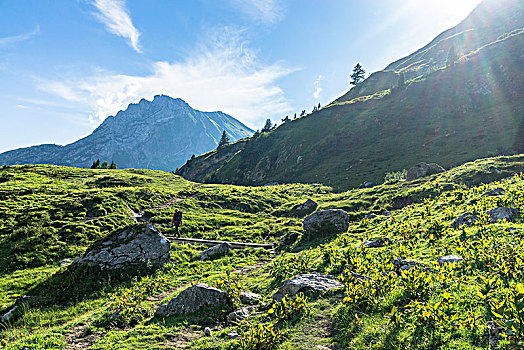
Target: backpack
(178,216)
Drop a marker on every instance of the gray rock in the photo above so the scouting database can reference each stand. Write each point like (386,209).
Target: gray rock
(309,281)
(233,335)
(65,262)
(495,192)
(133,245)
(305,208)
(238,315)
(467,219)
(193,299)
(215,252)
(9,315)
(494,331)
(249,298)
(378,243)
(207,332)
(423,169)
(403,264)
(502,213)
(370,216)
(449,259)
(326,222)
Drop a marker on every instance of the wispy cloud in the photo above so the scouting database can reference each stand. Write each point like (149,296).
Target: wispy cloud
(267,11)
(222,76)
(316,85)
(18,38)
(114,15)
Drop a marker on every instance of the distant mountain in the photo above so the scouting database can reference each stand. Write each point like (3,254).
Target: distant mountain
(161,134)
(451,108)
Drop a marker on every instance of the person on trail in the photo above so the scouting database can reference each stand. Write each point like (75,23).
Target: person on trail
(177,221)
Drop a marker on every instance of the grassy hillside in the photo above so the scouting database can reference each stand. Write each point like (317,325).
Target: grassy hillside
(445,113)
(49,213)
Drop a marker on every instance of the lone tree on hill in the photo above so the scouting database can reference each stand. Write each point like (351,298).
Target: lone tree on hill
(224,140)
(358,75)
(268,126)
(286,119)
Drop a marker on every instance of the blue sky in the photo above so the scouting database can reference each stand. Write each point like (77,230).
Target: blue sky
(65,65)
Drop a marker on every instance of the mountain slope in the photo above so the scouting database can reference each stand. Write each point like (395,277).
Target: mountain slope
(160,134)
(445,114)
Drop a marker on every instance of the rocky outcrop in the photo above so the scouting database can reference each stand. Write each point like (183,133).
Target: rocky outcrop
(193,299)
(423,169)
(502,213)
(133,245)
(309,281)
(326,222)
(467,219)
(215,251)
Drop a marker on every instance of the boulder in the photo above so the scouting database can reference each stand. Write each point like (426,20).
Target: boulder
(238,315)
(133,245)
(305,208)
(215,251)
(467,219)
(193,299)
(403,264)
(423,169)
(495,192)
(502,213)
(326,222)
(378,243)
(249,298)
(309,281)
(449,259)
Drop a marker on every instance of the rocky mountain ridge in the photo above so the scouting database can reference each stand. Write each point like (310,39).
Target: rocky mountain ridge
(159,134)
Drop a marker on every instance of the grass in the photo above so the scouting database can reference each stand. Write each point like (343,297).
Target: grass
(50,213)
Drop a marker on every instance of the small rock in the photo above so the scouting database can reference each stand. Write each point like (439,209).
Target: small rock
(65,262)
(467,219)
(502,213)
(378,243)
(238,315)
(370,216)
(403,264)
(495,192)
(9,315)
(193,299)
(305,208)
(449,259)
(207,332)
(233,335)
(309,281)
(494,331)
(326,222)
(216,251)
(249,298)
(423,169)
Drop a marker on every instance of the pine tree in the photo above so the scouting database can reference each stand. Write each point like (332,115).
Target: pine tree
(319,106)
(93,166)
(358,75)
(113,165)
(224,140)
(303,113)
(268,126)
(286,119)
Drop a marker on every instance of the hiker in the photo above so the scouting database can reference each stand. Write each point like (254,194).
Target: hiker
(177,221)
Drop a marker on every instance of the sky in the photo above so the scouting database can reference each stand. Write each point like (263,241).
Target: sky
(65,65)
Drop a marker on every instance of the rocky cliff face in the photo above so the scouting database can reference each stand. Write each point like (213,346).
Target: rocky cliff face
(161,134)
